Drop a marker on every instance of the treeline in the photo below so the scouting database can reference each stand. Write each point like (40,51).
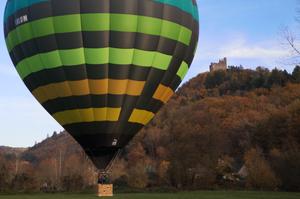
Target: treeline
(64,169)
(235,129)
(236,81)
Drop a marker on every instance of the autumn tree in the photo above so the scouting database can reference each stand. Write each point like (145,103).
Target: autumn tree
(137,176)
(286,164)
(73,171)
(278,78)
(137,166)
(72,182)
(47,172)
(260,174)
(24,182)
(4,176)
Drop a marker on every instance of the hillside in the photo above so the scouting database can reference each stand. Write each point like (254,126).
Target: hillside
(52,146)
(11,150)
(226,129)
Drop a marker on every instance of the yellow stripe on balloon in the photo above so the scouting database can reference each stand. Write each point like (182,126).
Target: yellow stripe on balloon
(87,87)
(101,115)
(141,116)
(163,93)
(87,115)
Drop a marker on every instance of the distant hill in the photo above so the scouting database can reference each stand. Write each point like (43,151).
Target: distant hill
(52,146)
(11,150)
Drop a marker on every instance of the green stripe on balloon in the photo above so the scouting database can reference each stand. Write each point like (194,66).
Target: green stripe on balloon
(98,22)
(79,56)
(97,39)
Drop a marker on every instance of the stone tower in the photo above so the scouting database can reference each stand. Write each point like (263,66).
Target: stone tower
(221,65)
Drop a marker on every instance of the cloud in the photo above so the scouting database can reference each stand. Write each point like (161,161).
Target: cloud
(240,48)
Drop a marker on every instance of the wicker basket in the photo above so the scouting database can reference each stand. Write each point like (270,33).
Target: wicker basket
(105,190)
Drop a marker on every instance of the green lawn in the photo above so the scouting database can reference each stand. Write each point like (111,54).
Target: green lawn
(184,195)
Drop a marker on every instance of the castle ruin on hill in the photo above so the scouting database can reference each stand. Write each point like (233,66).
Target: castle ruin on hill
(221,65)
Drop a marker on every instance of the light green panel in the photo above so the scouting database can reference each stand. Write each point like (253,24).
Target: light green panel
(95,22)
(70,58)
(97,55)
(183,69)
(71,23)
(142,58)
(120,56)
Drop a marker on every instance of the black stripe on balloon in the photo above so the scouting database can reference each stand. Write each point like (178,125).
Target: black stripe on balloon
(101,157)
(193,45)
(59,8)
(64,41)
(102,151)
(93,135)
(81,72)
(174,84)
(95,101)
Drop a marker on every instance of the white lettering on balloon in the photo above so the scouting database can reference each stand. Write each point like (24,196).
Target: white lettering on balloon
(21,20)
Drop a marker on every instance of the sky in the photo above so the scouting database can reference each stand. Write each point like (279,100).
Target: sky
(247,32)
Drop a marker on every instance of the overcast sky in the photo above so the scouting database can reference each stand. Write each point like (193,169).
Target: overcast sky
(245,31)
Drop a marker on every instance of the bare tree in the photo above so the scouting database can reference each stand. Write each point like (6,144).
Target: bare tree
(291,39)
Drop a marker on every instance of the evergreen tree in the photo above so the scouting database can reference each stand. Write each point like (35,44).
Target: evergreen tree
(296,74)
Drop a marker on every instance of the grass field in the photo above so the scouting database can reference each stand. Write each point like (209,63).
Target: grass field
(183,195)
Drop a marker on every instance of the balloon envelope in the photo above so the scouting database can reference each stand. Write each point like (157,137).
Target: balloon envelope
(102,68)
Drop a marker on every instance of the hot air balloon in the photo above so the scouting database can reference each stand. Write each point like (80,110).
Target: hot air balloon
(102,68)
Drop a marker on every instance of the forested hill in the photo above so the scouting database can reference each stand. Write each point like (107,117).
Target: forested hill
(236,81)
(237,128)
